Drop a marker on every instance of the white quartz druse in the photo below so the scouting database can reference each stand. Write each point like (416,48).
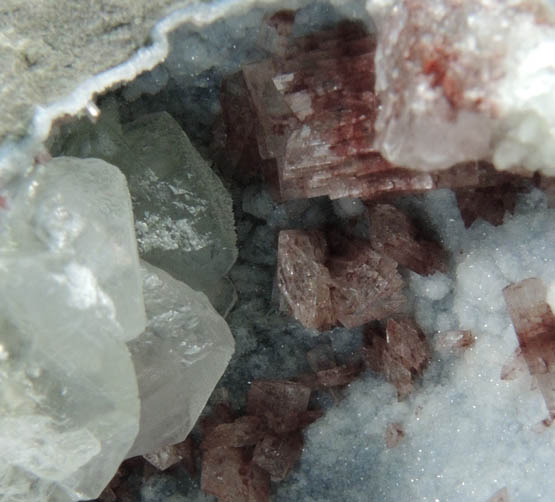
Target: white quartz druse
(70,297)
(466,80)
(178,359)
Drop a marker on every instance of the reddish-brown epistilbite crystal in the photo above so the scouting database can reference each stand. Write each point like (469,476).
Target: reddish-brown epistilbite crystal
(281,403)
(489,203)
(351,286)
(534,324)
(245,431)
(401,355)
(366,285)
(229,474)
(303,279)
(393,235)
(278,454)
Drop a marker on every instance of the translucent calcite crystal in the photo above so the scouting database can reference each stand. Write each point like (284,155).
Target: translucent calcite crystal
(178,359)
(71,296)
(459,81)
(183,214)
(534,324)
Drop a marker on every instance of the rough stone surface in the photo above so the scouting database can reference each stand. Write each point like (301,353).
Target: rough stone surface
(47,48)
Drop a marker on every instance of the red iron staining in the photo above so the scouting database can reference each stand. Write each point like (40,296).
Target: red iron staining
(394,434)
(514,367)
(401,355)
(392,234)
(534,324)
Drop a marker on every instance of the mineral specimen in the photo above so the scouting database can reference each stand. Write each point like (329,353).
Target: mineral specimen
(183,217)
(278,454)
(392,234)
(71,297)
(280,403)
(443,73)
(351,286)
(534,324)
(178,359)
(402,355)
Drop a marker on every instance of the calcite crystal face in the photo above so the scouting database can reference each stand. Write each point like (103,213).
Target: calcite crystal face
(178,359)
(71,298)
(183,217)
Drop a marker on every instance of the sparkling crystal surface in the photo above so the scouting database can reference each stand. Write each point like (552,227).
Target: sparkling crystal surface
(178,359)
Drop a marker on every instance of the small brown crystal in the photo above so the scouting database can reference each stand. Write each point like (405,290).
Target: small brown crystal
(394,434)
(303,279)
(228,474)
(402,355)
(393,234)
(278,454)
(501,495)
(534,324)
(453,342)
(244,431)
(366,285)
(281,403)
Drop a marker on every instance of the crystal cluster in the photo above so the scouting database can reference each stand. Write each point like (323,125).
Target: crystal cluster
(310,113)
(71,298)
(321,289)
(87,374)
(452,88)
(183,216)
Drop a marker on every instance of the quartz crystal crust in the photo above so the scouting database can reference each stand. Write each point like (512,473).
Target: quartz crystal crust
(69,402)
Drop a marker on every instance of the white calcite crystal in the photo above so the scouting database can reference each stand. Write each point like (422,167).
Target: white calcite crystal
(178,359)
(183,213)
(70,297)
(465,80)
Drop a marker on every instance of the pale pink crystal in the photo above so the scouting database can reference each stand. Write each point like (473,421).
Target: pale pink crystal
(534,324)
(394,434)
(244,431)
(501,495)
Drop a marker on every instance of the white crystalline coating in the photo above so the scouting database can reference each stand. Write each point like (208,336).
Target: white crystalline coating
(178,359)
(465,80)
(69,298)
(468,433)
